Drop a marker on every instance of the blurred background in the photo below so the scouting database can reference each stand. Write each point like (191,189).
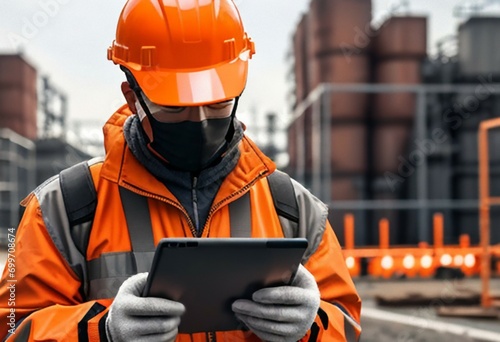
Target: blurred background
(375,106)
(389,152)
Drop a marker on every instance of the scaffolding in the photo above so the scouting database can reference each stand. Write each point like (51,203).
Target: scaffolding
(318,106)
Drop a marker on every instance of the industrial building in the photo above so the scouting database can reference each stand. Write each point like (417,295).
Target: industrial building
(29,154)
(383,129)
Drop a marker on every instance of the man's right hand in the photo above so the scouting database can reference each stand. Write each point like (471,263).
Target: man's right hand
(135,318)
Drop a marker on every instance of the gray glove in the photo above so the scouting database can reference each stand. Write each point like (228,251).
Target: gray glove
(135,318)
(283,313)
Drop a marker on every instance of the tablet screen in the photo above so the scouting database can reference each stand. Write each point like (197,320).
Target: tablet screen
(208,274)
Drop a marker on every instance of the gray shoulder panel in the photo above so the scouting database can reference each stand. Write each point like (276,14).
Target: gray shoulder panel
(313,215)
(53,209)
(51,202)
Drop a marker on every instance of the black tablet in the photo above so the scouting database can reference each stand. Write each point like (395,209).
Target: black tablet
(208,274)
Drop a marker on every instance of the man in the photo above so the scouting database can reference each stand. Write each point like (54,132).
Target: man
(176,152)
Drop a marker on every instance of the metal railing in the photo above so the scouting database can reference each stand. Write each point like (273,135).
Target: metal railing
(486,201)
(318,102)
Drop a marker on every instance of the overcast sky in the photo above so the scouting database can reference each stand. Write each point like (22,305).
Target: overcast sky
(67,40)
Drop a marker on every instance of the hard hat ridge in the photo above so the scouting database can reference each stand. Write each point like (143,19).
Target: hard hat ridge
(183,52)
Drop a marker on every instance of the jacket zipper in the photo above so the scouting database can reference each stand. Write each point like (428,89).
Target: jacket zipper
(211,337)
(165,200)
(195,203)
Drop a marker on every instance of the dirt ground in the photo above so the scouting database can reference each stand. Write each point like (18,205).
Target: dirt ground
(416,318)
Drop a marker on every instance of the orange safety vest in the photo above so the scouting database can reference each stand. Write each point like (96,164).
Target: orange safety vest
(65,283)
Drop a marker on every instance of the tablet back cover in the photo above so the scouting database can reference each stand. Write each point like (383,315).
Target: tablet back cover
(208,275)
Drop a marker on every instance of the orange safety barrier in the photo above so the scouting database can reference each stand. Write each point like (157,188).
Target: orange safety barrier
(385,261)
(423,260)
(386,264)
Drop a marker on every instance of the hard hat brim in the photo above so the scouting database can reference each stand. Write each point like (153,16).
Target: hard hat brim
(193,88)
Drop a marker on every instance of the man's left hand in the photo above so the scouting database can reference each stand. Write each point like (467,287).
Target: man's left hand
(283,313)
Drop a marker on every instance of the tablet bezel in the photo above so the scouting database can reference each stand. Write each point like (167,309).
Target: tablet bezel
(208,274)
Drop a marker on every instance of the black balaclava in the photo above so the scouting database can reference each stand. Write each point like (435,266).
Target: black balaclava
(187,146)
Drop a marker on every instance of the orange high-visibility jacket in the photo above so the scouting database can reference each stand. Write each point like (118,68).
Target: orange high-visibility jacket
(57,290)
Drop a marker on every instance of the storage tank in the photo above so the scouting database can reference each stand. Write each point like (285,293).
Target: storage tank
(399,49)
(18,96)
(339,54)
(478,52)
(339,50)
(336,24)
(300,49)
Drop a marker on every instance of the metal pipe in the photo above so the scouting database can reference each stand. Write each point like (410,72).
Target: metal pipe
(327,142)
(301,151)
(316,147)
(493,88)
(422,168)
(403,204)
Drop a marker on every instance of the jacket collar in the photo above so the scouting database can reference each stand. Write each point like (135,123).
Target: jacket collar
(121,167)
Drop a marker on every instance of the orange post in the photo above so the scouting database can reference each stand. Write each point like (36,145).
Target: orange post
(438,246)
(384,234)
(387,262)
(464,241)
(438,221)
(352,262)
(349,231)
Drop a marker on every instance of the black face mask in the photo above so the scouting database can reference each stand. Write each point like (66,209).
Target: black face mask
(190,146)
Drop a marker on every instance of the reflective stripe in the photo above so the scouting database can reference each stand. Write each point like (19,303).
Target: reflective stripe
(240,217)
(112,265)
(138,219)
(105,288)
(351,327)
(108,272)
(140,229)
(116,264)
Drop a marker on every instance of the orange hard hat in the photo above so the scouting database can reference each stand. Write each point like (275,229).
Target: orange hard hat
(183,52)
